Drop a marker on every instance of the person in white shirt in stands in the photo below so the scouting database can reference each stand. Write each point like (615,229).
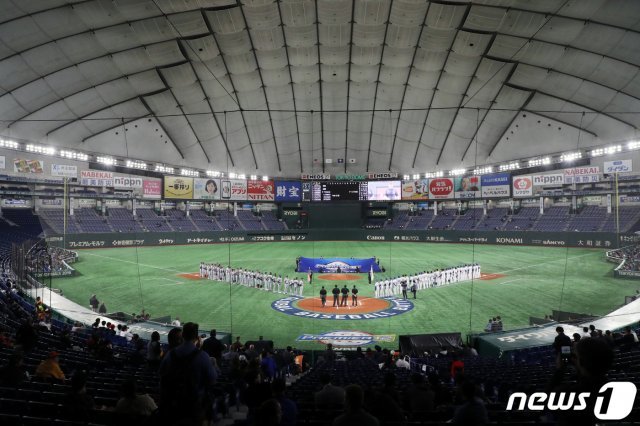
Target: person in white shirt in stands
(176,322)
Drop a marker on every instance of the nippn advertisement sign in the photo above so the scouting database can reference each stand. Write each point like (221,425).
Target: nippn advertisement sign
(549,179)
(522,186)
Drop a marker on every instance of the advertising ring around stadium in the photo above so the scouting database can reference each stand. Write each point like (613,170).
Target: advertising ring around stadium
(368,308)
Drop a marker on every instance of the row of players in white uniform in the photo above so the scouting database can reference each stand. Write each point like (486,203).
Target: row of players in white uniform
(393,286)
(255,279)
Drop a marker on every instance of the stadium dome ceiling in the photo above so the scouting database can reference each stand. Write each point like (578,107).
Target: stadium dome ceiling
(281,87)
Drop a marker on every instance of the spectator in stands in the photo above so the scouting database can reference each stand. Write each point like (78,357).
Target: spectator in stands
(629,339)
(213,346)
(469,351)
(174,339)
(102,309)
(26,336)
(269,413)
(418,397)
(133,403)
(176,322)
(585,332)
(592,331)
(288,407)
(608,337)
(329,354)
(251,353)
(186,376)
(576,338)
(237,345)
(94,303)
(77,403)
(561,340)
(254,394)
(268,366)
(593,358)
(473,411)
(49,368)
(354,412)
(495,325)
(489,326)
(154,351)
(14,373)
(457,368)
(500,327)
(329,395)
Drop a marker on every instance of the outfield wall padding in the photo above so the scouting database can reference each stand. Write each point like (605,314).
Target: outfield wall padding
(602,240)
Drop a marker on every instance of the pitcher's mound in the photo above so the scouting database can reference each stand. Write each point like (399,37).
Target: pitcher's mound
(339,277)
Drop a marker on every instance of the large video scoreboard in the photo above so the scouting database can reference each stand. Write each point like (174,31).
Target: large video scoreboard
(352,191)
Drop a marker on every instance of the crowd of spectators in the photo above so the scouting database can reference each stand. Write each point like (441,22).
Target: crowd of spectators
(630,255)
(195,378)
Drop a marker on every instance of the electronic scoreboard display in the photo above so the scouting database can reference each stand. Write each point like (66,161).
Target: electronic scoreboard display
(339,191)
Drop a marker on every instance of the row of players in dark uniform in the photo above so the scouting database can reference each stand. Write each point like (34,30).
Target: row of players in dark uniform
(336,295)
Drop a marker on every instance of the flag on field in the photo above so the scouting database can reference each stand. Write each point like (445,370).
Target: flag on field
(371,275)
(310,276)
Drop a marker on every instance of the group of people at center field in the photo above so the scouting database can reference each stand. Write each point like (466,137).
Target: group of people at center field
(336,292)
(259,280)
(413,283)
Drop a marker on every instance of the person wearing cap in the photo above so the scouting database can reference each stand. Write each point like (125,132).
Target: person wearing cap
(49,368)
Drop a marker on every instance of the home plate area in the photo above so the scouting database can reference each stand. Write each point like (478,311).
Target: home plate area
(368,308)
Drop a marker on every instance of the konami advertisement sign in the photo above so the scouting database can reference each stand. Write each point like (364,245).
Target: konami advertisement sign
(441,188)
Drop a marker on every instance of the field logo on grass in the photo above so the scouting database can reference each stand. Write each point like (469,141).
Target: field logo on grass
(393,307)
(346,338)
(614,401)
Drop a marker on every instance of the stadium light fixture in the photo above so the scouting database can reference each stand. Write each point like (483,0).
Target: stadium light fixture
(135,164)
(164,169)
(540,162)
(189,172)
(253,177)
(40,149)
(212,173)
(633,145)
(608,150)
(242,176)
(570,156)
(457,172)
(483,170)
(5,143)
(431,175)
(107,161)
(265,178)
(416,176)
(406,177)
(73,155)
(233,175)
(514,165)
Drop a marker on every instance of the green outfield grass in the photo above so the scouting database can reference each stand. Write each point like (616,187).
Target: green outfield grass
(536,280)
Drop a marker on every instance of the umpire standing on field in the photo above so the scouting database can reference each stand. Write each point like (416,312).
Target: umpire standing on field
(336,293)
(323,296)
(354,296)
(345,296)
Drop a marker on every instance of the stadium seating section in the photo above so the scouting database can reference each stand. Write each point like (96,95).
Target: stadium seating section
(89,220)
